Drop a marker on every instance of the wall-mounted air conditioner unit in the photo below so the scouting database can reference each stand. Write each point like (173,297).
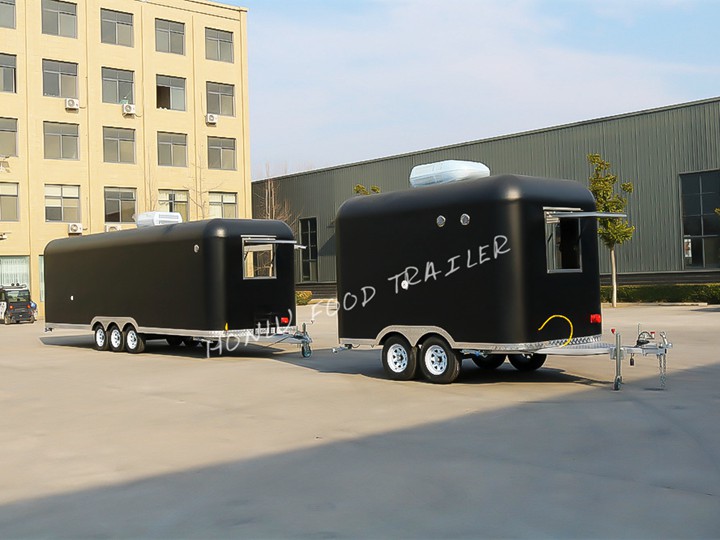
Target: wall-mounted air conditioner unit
(113,228)
(75,228)
(128,109)
(72,104)
(211,119)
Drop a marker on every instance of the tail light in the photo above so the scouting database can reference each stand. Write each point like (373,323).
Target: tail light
(11,307)
(284,320)
(595,318)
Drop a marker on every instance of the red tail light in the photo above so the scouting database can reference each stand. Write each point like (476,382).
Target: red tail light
(284,320)
(11,307)
(595,318)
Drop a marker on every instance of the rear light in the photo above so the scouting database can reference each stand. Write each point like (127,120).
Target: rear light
(595,318)
(29,306)
(284,320)
(11,307)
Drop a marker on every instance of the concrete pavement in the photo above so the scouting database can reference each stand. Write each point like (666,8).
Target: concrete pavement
(265,444)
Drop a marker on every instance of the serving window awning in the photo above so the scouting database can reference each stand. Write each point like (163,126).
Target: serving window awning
(259,240)
(581,214)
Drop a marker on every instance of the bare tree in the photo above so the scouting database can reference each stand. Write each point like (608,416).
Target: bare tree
(273,206)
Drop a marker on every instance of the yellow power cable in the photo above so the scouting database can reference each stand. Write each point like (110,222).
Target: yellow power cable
(561,317)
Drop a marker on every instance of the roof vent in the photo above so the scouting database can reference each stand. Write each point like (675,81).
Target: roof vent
(443,172)
(150,219)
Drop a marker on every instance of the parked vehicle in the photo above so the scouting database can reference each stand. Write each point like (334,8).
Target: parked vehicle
(482,268)
(219,281)
(16,305)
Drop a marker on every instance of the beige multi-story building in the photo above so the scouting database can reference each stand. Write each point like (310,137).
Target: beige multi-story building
(110,108)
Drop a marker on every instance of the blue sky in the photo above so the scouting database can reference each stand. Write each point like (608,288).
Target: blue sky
(334,82)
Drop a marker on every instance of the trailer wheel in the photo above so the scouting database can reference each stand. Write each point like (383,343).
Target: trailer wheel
(399,359)
(100,338)
(489,361)
(440,364)
(527,362)
(306,350)
(116,338)
(174,341)
(134,342)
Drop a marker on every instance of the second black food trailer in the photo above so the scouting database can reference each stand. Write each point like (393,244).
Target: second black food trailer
(480,268)
(221,281)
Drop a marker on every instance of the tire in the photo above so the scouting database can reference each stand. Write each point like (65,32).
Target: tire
(134,342)
(174,341)
(399,359)
(527,362)
(489,362)
(439,363)
(306,350)
(116,338)
(100,338)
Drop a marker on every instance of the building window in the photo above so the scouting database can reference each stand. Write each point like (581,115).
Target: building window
(223,205)
(120,205)
(8,201)
(259,260)
(59,18)
(221,99)
(218,45)
(172,149)
(118,86)
(174,201)
(118,145)
(169,36)
(8,136)
(60,79)
(116,27)
(562,244)
(7,13)
(62,203)
(61,140)
(701,225)
(221,153)
(8,63)
(170,93)
(309,255)
(14,270)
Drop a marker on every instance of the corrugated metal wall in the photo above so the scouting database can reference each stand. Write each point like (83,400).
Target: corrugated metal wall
(649,148)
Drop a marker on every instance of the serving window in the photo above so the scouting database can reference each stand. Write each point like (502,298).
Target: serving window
(258,260)
(562,243)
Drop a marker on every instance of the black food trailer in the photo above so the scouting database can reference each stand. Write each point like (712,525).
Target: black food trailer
(483,268)
(221,281)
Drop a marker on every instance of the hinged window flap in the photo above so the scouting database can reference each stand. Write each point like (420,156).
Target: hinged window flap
(581,214)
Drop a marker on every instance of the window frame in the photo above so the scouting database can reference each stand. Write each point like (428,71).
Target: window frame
(106,17)
(173,202)
(222,204)
(120,199)
(12,67)
(107,77)
(14,13)
(173,146)
(50,7)
(169,31)
(251,263)
(119,139)
(16,196)
(219,93)
(14,152)
(702,240)
(63,72)
(171,86)
(309,255)
(557,258)
(217,42)
(64,208)
(63,137)
(220,148)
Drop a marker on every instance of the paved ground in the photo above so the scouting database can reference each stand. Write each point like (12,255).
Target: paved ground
(264,443)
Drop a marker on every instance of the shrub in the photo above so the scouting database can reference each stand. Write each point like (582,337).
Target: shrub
(707,292)
(302,298)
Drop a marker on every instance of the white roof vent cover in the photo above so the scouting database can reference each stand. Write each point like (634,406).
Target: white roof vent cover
(150,219)
(442,172)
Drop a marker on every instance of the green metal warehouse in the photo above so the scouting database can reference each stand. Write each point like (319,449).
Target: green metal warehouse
(671,154)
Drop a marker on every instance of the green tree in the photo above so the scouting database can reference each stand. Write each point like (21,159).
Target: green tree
(612,231)
(360,189)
